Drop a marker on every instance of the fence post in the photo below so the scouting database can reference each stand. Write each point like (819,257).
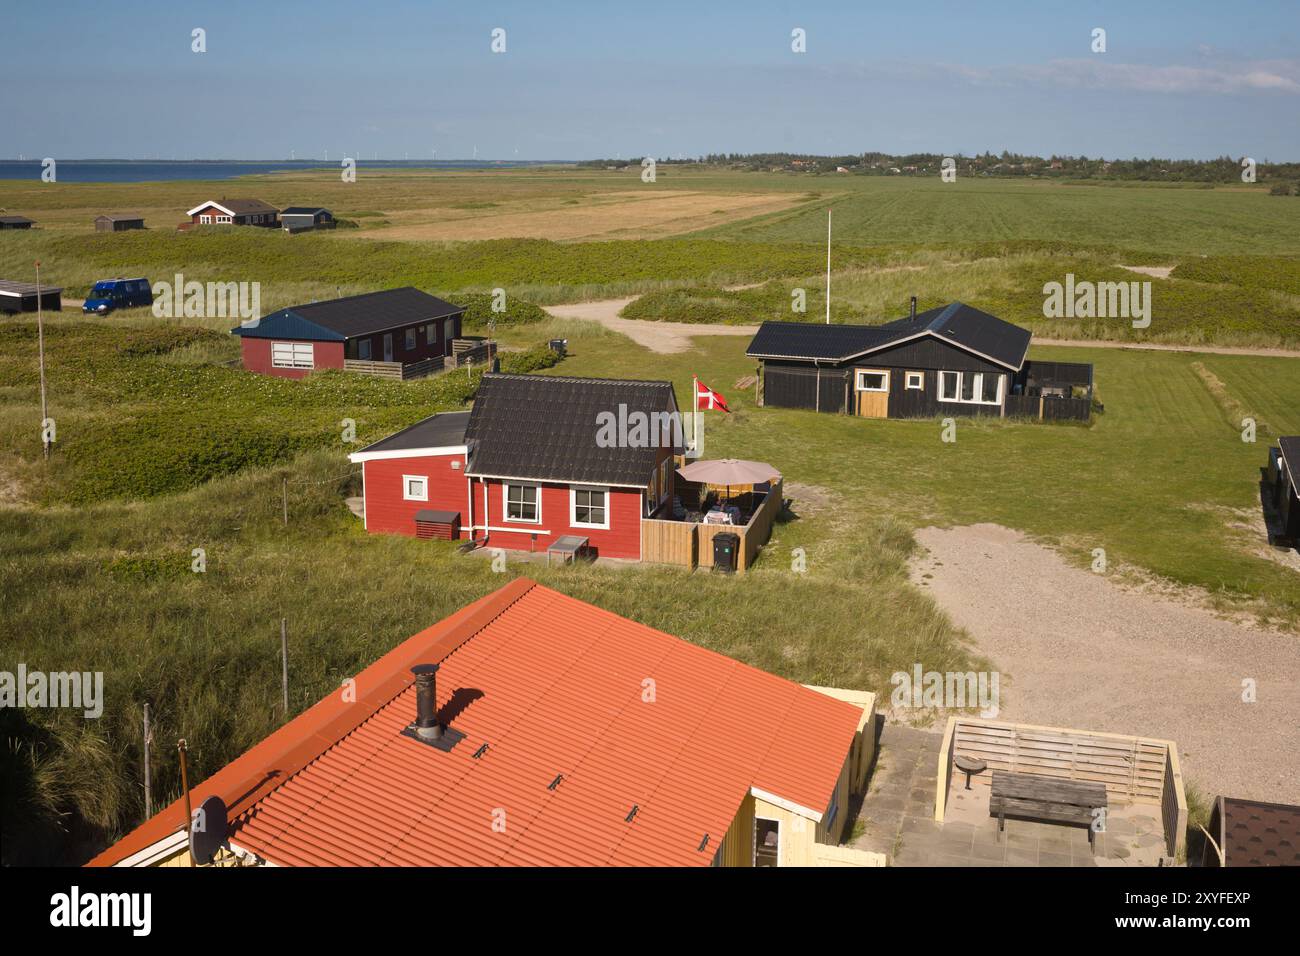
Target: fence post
(284,663)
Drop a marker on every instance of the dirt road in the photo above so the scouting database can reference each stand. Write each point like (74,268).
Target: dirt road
(676,336)
(1075,650)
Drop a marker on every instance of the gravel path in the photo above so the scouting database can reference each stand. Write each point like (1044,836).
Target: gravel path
(676,336)
(1075,650)
(662,337)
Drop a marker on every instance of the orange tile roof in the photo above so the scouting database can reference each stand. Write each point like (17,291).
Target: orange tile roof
(553,686)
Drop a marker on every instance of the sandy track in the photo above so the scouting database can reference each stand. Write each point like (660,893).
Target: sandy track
(664,337)
(1075,650)
(676,336)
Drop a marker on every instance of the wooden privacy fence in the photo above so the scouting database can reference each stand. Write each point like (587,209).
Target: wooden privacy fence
(1049,409)
(1138,769)
(470,351)
(690,544)
(668,542)
(397,370)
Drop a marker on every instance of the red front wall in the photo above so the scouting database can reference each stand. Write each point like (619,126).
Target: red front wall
(257,357)
(622,540)
(387,511)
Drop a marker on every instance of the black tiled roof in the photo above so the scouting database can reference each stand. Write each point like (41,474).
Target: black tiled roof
(353,315)
(443,430)
(545,427)
(814,340)
(1289,445)
(1259,834)
(958,323)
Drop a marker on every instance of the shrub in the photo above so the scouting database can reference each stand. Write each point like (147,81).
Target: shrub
(478,310)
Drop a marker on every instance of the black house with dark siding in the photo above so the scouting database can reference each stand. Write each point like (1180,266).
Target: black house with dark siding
(955,360)
(1281,490)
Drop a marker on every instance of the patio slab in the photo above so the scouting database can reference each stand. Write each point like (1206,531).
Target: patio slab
(898,818)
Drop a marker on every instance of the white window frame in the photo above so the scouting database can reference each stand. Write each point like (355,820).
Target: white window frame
(224,220)
(301,355)
(205,219)
(753,839)
(573,507)
(884,373)
(505,502)
(406,487)
(909,377)
(977,389)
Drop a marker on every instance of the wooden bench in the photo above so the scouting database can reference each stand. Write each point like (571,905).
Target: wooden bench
(1052,799)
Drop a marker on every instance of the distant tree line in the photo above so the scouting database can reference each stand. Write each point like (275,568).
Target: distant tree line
(1224,169)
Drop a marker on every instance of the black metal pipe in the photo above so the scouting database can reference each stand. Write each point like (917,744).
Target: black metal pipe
(426,701)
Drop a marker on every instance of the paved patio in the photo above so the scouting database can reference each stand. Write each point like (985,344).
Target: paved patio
(898,814)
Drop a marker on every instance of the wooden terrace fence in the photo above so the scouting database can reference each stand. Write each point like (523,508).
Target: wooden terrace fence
(398,370)
(690,544)
(1138,769)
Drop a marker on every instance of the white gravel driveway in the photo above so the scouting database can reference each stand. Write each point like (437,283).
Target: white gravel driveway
(1075,650)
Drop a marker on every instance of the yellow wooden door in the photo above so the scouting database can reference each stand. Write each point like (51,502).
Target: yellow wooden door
(872,390)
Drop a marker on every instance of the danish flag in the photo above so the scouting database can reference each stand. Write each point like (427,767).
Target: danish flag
(707,399)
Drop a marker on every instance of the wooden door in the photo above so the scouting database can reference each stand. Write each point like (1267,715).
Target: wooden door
(871,387)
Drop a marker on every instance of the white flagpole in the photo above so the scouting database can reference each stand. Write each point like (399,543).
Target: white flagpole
(695,405)
(828,267)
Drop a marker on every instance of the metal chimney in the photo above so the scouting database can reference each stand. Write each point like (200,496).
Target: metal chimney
(914,307)
(426,702)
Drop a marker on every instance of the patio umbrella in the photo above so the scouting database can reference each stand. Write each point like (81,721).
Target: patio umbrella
(728,472)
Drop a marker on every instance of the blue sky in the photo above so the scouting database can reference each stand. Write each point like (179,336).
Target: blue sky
(85,78)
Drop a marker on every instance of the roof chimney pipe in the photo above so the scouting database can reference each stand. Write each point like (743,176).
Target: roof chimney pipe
(914,307)
(426,702)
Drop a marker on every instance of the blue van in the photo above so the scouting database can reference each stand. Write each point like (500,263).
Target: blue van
(113,294)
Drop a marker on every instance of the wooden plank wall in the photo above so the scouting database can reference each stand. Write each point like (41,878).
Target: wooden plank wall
(1131,767)
(1173,805)
(395,370)
(668,542)
(759,529)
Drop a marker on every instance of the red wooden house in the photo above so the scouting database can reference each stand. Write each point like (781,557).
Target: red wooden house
(537,457)
(403,326)
(234,212)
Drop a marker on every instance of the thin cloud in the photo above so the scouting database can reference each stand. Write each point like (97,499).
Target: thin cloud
(1279,76)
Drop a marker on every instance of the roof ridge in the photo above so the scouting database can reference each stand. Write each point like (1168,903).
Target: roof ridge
(577,379)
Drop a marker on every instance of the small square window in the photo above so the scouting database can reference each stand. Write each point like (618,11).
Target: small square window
(915,380)
(415,488)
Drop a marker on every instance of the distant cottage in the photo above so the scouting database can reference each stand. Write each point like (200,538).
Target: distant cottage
(15,222)
(305,218)
(234,212)
(403,326)
(954,360)
(118,223)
